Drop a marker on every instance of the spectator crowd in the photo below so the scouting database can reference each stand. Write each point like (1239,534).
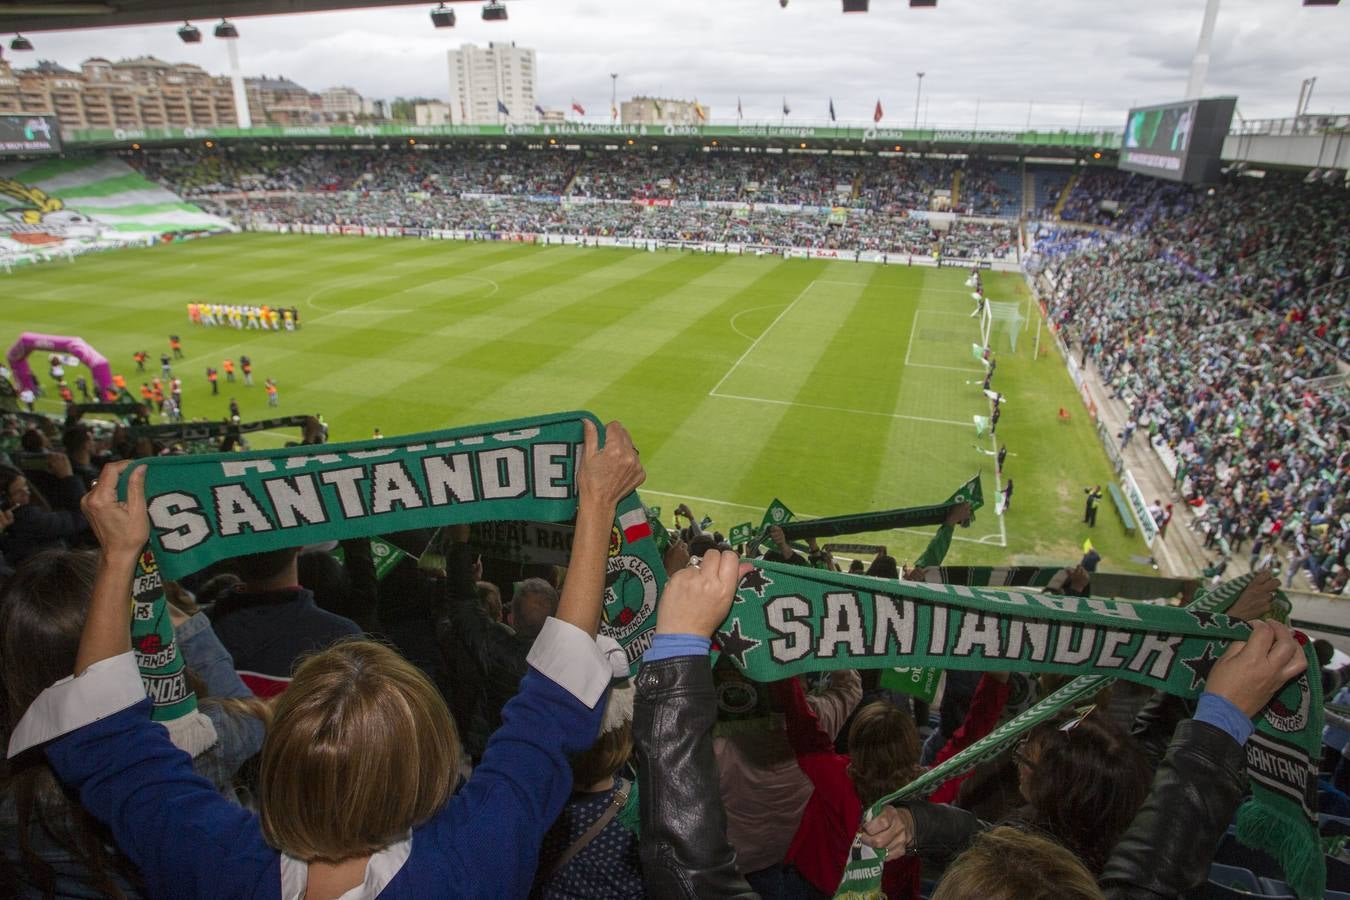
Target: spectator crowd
(1220,318)
(453,724)
(455,727)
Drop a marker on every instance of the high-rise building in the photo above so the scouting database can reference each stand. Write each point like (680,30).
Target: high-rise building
(133,93)
(482,78)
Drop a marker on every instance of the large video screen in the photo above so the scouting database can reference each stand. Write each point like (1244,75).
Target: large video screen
(29,134)
(1178,141)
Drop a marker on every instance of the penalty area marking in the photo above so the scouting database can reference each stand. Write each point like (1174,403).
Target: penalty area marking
(844,409)
(733,319)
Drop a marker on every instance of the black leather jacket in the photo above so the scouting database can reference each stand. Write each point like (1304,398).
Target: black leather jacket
(684,848)
(1168,847)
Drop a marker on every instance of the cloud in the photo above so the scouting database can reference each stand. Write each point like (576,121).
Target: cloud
(1059,56)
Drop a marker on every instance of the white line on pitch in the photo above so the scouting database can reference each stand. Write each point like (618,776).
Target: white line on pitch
(914,326)
(755,343)
(733,319)
(844,409)
(947,368)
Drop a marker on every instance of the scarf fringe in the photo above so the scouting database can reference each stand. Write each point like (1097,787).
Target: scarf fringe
(1287,839)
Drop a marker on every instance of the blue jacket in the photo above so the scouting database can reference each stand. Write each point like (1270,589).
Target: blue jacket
(189,841)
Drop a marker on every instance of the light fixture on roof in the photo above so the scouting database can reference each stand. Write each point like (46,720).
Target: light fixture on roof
(494,11)
(190,34)
(442,17)
(226,29)
(855,6)
(20,43)
(923,3)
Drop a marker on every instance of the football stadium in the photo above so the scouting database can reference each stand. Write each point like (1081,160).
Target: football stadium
(647,502)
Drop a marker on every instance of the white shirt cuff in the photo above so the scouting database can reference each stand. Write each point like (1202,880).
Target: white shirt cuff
(571,659)
(107,687)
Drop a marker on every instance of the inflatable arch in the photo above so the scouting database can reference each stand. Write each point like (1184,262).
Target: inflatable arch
(31,340)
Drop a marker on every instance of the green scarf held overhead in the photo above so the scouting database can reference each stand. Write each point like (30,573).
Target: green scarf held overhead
(788,620)
(207,508)
(884,520)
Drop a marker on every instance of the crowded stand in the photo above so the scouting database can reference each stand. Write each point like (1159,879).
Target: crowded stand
(759,200)
(455,726)
(393,706)
(990,190)
(1219,319)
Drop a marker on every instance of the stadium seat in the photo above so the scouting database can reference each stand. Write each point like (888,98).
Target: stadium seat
(1276,888)
(1122,508)
(1260,863)
(1332,825)
(1235,877)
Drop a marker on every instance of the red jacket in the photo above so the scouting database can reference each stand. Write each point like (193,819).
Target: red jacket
(821,846)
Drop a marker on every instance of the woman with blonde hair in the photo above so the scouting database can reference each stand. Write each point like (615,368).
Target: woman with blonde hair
(1011,864)
(357,770)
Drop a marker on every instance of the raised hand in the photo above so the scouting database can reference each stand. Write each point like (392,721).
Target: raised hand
(696,599)
(605,476)
(958,514)
(1251,672)
(121,526)
(1255,599)
(892,828)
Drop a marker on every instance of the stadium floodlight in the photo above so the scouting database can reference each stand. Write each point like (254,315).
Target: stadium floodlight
(226,29)
(494,11)
(926,4)
(1321,2)
(855,6)
(442,17)
(190,34)
(20,43)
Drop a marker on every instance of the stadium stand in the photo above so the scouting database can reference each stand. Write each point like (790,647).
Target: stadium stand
(1219,318)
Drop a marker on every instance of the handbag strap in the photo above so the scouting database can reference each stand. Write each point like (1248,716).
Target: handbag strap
(620,798)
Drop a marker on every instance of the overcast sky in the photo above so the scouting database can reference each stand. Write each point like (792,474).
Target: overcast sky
(1100,56)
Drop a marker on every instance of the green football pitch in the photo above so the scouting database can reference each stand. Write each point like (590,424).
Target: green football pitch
(834,386)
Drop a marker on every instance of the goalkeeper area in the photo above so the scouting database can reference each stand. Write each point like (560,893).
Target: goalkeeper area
(836,387)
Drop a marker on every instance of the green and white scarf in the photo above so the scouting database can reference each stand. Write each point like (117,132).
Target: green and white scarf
(207,508)
(790,620)
(884,520)
(785,620)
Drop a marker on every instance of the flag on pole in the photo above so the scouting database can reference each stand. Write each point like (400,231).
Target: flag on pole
(501,108)
(657,104)
(539,109)
(578,108)
(831,109)
(700,111)
(786,110)
(739,113)
(613,112)
(876,116)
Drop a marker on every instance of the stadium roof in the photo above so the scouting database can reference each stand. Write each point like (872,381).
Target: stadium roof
(56,15)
